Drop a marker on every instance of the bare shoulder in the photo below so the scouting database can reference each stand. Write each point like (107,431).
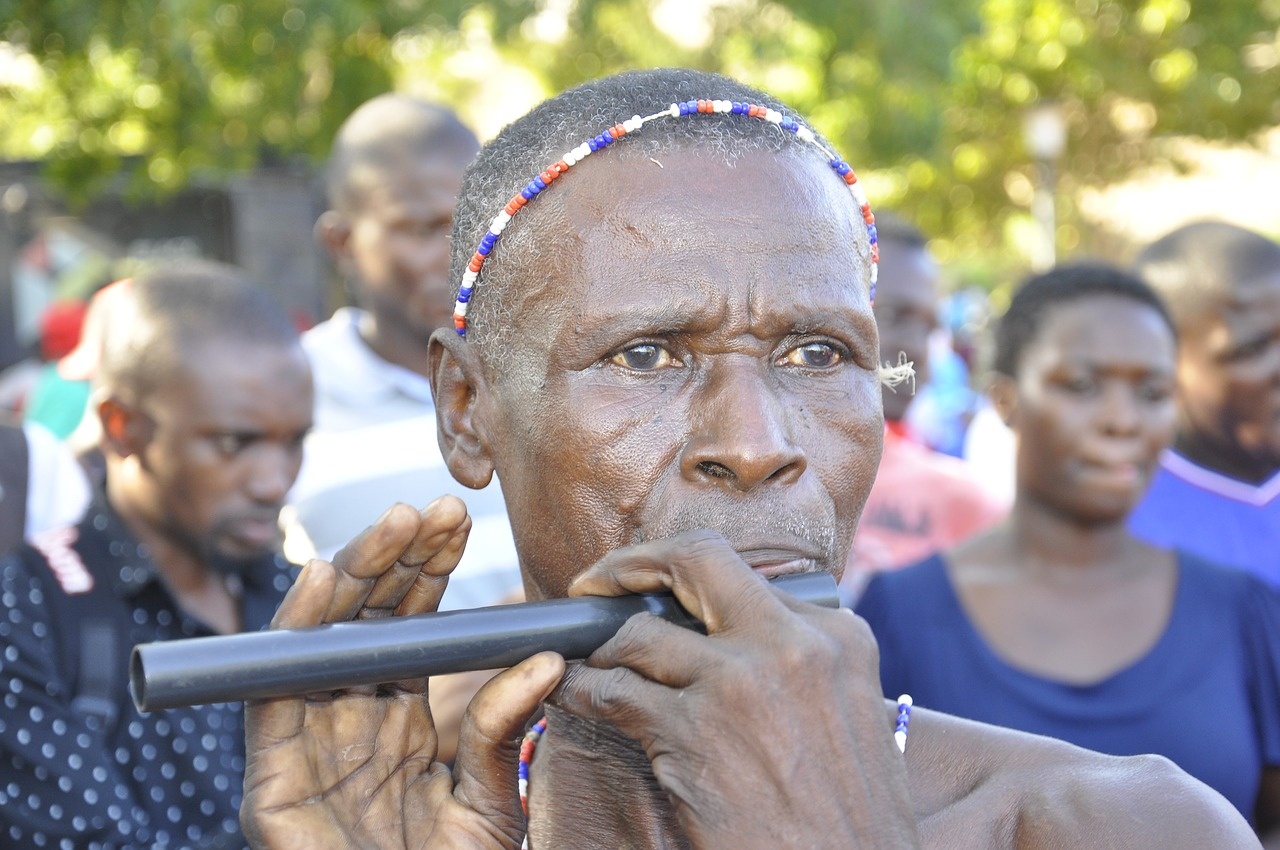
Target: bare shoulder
(980,786)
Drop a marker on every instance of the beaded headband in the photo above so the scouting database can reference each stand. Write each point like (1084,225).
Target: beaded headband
(631,125)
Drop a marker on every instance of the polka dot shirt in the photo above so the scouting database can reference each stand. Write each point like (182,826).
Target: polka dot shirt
(70,779)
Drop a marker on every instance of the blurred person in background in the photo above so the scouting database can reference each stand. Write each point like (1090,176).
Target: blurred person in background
(204,396)
(1217,489)
(922,500)
(392,182)
(1060,621)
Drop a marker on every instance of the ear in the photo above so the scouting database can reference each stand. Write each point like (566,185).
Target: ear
(125,429)
(333,232)
(1003,392)
(459,387)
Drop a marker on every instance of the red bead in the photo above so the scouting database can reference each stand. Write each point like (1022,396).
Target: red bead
(477,260)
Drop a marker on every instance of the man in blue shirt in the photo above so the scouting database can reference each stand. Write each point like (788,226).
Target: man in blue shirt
(1217,491)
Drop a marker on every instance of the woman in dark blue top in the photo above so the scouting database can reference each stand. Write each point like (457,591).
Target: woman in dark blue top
(1061,622)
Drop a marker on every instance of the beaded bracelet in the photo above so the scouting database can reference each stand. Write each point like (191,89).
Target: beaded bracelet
(631,125)
(904,720)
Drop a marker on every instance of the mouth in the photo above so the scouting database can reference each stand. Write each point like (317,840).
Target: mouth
(258,533)
(1125,474)
(774,561)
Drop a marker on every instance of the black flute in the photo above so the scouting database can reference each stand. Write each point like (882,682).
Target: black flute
(367,652)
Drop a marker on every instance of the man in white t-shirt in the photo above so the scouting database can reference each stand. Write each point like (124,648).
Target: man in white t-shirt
(392,181)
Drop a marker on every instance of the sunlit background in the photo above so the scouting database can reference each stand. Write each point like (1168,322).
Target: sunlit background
(1166,108)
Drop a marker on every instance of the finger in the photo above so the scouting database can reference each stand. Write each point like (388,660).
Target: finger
(435,549)
(660,651)
(433,571)
(492,727)
(371,554)
(615,695)
(706,575)
(270,721)
(309,597)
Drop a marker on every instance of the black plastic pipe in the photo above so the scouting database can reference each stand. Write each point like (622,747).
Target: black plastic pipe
(366,652)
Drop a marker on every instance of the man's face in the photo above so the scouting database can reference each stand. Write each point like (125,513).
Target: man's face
(1095,408)
(905,309)
(697,350)
(1229,382)
(224,448)
(397,250)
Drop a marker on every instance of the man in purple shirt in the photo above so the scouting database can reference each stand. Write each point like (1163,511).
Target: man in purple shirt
(1217,491)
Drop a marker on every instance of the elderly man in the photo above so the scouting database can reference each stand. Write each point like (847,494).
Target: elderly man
(1217,492)
(204,395)
(671,359)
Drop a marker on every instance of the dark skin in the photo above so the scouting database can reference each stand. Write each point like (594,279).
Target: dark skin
(390,240)
(1062,589)
(198,468)
(744,402)
(905,308)
(1229,380)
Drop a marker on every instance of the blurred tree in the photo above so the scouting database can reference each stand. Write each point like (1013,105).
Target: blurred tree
(925,97)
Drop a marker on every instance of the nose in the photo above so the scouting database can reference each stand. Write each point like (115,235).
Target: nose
(273,471)
(1119,410)
(741,436)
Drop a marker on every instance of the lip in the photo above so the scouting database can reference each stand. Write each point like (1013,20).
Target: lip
(1126,473)
(257,532)
(774,561)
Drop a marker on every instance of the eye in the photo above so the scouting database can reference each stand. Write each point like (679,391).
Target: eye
(1079,386)
(1153,392)
(229,444)
(813,355)
(645,357)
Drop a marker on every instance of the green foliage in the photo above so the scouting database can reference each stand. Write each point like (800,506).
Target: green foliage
(924,97)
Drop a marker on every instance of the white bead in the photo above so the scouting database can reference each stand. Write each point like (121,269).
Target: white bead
(469,277)
(584,151)
(899,737)
(569,158)
(806,134)
(460,309)
(906,700)
(674,110)
(773,116)
(503,217)
(497,228)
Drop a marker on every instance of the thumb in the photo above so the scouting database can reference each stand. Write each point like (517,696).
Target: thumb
(489,741)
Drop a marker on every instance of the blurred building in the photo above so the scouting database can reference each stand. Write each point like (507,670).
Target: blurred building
(261,222)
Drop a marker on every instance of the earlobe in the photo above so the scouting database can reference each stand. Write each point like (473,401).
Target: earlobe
(125,430)
(459,386)
(1003,392)
(333,231)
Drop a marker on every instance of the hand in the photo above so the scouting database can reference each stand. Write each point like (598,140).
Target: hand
(770,730)
(358,768)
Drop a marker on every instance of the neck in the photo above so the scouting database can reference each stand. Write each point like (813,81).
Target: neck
(593,787)
(396,343)
(197,588)
(1046,541)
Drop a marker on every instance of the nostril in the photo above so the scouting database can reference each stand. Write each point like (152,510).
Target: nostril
(714,470)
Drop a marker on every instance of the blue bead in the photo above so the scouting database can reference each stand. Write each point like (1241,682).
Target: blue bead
(540,183)
(872,232)
(463,299)
(489,239)
(484,250)
(594,144)
(842,168)
(527,193)
(465,292)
